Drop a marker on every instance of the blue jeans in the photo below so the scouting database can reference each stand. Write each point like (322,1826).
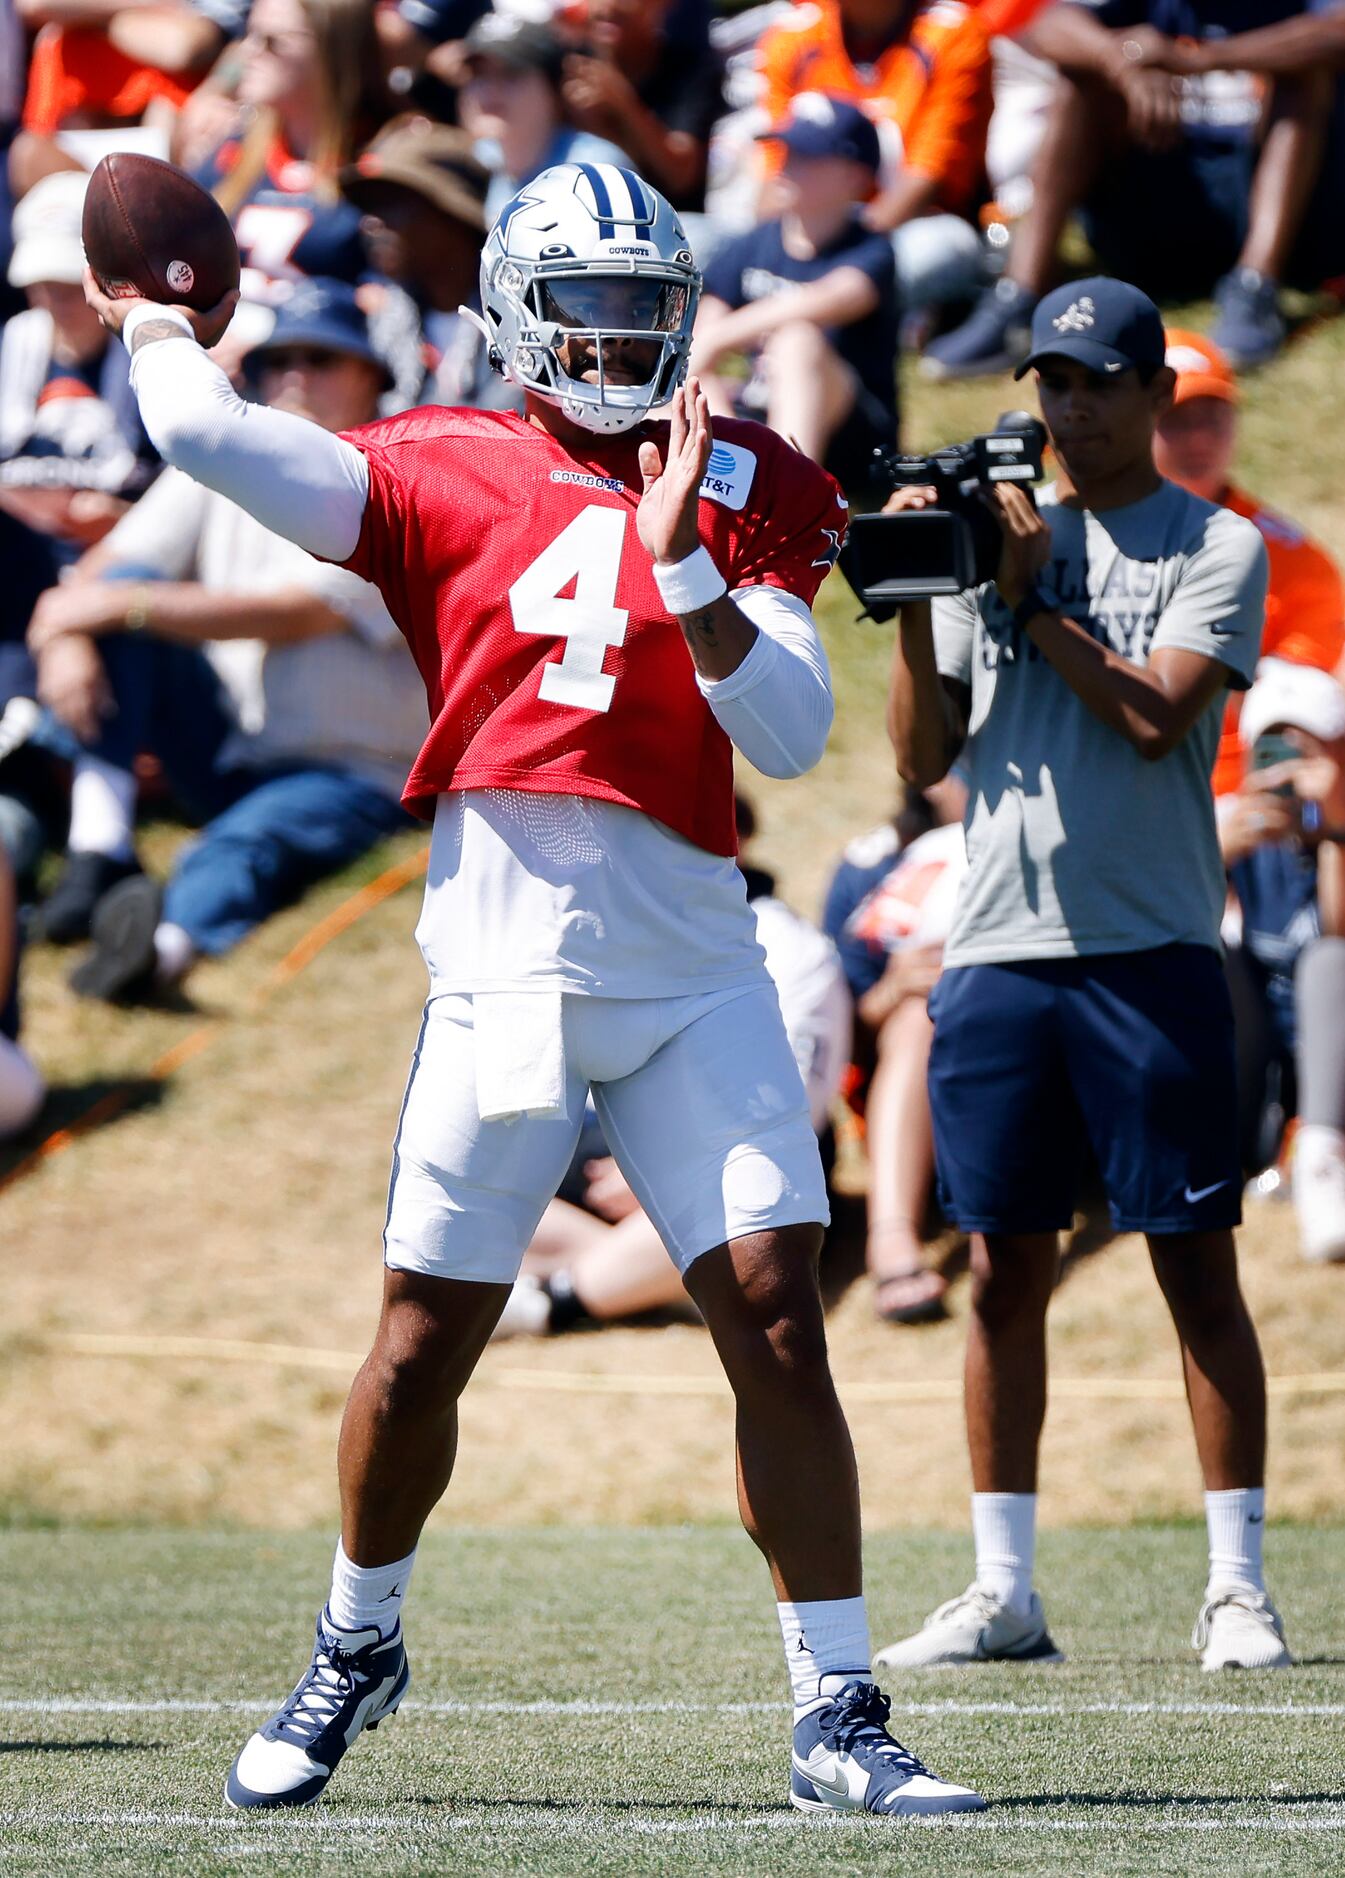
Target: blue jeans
(286,829)
(269,832)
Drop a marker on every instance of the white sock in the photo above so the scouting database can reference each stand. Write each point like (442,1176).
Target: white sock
(1004,1527)
(365,1595)
(102,809)
(825,1637)
(1236,1519)
(173,952)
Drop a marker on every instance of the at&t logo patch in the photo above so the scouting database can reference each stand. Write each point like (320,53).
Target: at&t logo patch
(728,475)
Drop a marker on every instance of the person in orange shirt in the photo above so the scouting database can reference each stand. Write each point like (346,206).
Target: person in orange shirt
(101,63)
(1305,607)
(921,70)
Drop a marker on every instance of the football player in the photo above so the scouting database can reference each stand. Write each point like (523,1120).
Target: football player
(601,607)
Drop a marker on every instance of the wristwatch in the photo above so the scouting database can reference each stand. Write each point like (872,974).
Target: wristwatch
(1039,598)
(137,608)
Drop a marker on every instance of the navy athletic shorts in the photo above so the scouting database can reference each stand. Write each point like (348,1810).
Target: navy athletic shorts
(1131,1052)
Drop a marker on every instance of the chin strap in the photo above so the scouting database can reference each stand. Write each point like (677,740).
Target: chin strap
(493,354)
(593,417)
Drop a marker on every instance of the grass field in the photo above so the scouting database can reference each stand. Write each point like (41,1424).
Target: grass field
(612,1702)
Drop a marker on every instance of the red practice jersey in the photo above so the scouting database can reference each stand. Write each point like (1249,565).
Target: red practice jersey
(516,573)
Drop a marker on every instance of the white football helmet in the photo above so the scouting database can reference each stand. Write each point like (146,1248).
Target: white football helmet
(588,253)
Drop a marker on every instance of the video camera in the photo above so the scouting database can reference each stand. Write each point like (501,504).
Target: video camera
(955,545)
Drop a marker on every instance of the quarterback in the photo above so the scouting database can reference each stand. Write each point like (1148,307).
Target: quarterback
(601,606)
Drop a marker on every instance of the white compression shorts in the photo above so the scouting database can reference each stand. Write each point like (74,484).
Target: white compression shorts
(700,1100)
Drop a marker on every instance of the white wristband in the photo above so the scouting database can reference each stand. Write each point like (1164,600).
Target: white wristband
(145,311)
(687,586)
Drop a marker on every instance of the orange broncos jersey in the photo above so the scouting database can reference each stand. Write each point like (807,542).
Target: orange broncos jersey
(76,71)
(1305,617)
(930,96)
(1008,16)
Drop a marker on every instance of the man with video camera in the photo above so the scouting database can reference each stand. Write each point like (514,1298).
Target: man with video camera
(1081,692)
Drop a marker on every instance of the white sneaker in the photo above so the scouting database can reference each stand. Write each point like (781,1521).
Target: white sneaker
(1240,1630)
(526,1313)
(1319,1192)
(975,1628)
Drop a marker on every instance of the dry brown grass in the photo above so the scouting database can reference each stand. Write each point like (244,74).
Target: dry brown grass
(247,1203)
(244,1200)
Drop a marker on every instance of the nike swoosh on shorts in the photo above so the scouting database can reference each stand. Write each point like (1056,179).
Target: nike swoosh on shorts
(1202,1193)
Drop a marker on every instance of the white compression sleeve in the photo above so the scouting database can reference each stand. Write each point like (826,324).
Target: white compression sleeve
(296,478)
(777,707)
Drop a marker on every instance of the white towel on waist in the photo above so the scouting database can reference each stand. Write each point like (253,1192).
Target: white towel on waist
(520,1055)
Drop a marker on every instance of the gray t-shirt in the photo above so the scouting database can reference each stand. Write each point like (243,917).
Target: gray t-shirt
(1075,843)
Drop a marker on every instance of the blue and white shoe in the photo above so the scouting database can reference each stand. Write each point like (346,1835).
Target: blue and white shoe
(1250,328)
(845,1761)
(355,1679)
(993,337)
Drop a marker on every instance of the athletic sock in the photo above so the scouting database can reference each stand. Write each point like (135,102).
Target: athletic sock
(824,1637)
(1236,1519)
(368,1595)
(102,810)
(174,952)
(1004,1527)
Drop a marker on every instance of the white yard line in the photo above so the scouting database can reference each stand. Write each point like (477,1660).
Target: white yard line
(246,1832)
(82,1705)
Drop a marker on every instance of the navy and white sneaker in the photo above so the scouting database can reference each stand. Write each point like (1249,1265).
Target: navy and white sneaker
(993,337)
(1250,328)
(845,1761)
(356,1678)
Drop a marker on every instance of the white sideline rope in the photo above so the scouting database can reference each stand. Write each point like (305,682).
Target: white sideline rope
(599,1382)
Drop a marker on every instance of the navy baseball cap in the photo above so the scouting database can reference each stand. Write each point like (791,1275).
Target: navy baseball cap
(820,126)
(322,313)
(1105,324)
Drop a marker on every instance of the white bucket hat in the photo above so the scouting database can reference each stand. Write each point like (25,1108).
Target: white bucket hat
(1300,696)
(47,240)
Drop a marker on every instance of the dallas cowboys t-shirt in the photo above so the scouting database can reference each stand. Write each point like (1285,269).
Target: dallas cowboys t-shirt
(1075,843)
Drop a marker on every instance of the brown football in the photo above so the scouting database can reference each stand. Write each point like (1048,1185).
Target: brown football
(152,233)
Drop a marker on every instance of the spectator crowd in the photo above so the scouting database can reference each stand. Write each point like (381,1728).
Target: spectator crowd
(860,179)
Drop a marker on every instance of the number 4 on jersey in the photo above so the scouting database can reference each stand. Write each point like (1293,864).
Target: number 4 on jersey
(586,552)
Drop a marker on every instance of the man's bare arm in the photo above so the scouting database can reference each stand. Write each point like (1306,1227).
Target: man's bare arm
(181,610)
(926,713)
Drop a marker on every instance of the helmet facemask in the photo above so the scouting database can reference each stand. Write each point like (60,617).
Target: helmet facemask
(588,294)
(608,343)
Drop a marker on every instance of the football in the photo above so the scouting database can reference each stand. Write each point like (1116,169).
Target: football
(151,232)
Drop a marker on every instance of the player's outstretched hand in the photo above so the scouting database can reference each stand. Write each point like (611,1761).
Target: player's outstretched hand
(669,511)
(209,327)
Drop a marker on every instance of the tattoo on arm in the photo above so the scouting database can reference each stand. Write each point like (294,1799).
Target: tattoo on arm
(700,627)
(156,329)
